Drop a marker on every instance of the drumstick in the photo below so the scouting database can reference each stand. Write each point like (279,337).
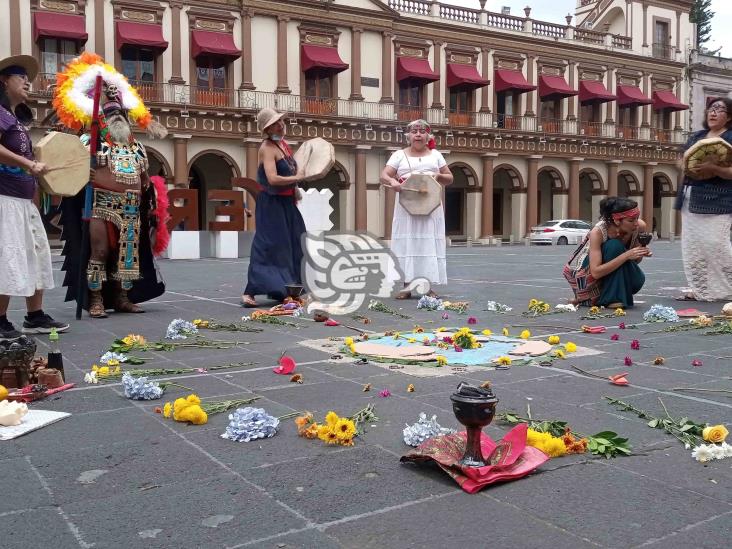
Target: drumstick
(403,189)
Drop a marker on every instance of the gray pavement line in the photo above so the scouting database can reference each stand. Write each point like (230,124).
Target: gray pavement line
(75,531)
(198,298)
(28,510)
(221,464)
(683,530)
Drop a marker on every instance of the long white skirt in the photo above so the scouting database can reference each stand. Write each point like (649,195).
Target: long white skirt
(25,256)
(418,241)
(707,253)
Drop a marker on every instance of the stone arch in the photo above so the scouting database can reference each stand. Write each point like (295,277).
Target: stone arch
(469,177)
(208,170)
(551,187)
(594,178)
(554,175)
(507,181)
(338,181)
(158,163)
(665,183)
(517,182)
(628,184)
(591,184)
(456,198)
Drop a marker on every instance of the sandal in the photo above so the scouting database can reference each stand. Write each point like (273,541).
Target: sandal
(686,297)
(126,306)
(404,294)
(96,306)
(248,301)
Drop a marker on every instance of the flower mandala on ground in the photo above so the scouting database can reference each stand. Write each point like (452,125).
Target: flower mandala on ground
(247,424)
(441,360)
(487,332)
(553,340)
(503,360)
(660,313)
(430,303)
(180,329)
(570,347)
(139,388)
(465,339)
(424,429)
(505,332)
(526,334)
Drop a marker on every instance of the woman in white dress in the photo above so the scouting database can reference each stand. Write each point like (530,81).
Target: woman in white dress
(418,241)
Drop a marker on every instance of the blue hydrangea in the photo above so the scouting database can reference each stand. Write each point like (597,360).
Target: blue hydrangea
(180,329)
(660,313)
(109,355)
(424,429)
(139,388)
(430,303)
(247,424)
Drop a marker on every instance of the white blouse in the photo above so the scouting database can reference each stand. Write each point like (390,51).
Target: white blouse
(405,165)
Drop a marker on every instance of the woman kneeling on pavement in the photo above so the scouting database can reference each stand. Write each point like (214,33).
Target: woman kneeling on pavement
(604,270)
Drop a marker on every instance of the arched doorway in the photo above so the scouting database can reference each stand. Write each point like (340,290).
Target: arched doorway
(456,199)
(210,170)
(506,180)
(627,184)
(158,165)
(551,182)
(337,181)
(662,187)
(590,184)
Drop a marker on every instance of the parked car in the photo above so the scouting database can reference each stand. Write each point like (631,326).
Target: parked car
(560,231)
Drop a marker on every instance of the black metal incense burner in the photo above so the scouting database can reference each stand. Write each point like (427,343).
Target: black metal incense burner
(474,407)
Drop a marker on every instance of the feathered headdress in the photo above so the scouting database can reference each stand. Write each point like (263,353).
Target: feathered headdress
(73,95)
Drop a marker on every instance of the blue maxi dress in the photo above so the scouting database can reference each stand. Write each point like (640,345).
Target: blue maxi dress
(277,252)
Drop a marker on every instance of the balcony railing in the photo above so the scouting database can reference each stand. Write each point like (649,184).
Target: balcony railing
(663,51)
(466,15)
(622,42)
(187,97)
(418,7)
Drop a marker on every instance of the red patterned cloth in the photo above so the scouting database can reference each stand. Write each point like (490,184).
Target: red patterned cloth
(510,459)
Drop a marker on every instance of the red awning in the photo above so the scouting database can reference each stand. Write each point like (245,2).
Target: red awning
(630,96)
(140,34)
(321,57)
(665,100)
(592,91)
(466,76)
(415,68)
(554,87)
(215,44)
(48,24)
(512,80)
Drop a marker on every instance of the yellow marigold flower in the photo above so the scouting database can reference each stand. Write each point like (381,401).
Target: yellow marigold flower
(619,312)
(594,310)
(197,322)
(558,353)
(352,348)
(505,331)
(179,404)
(112,362)
(193,399)
(167,409)
(344,429)
(103,371)
(411,340)
(551,446)
(570,347)
(486,332)
(525,334)
(95,368)
(193,414)
(331,418)
(117,369)
(545,307)
(716,433)
(348,341)
(410,388)
(533,302)
(396,335)
(441,360)
(441,329)
(553,340)
(504,360)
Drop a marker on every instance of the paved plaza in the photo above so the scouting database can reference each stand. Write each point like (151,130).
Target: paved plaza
(117,475)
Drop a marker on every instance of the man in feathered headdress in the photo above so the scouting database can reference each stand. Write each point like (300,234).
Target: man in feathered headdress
(119,265)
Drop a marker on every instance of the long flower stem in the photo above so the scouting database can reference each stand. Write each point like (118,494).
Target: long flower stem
(580,370)
(702,390)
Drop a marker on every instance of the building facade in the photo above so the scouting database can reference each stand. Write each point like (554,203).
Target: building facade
(536,120)
(710,76)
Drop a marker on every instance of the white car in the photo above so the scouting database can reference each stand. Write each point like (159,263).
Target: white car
(560,231)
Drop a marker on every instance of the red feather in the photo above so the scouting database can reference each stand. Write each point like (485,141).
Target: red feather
(162,235)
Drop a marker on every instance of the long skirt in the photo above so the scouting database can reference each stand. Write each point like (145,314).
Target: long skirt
(25,256)
(707,253)
(620,285)
(418,242)
(277,252)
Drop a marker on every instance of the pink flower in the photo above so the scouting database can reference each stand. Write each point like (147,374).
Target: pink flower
(621,325)
(635,344)
(447,339)
(472,320)
(385,393)
(696,362)
(628,361)
(614,337)
(458,349)
(445,316)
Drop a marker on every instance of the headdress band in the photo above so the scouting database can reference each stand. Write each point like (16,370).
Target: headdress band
(14,69)
(619,216)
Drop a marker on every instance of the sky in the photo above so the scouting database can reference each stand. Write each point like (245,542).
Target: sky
(554,11)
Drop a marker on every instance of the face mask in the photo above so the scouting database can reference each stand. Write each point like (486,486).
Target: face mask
(275,137)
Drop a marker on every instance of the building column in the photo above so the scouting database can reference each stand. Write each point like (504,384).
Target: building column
(485,97)
(610,105)
(646,81)
(532,191)
(386,71)
(530,96)
(678,31)
(612,177)
(99,17)
(647,214)
(175,41)
(486,211)
(356,65)
(246,54)
(437,85)
(282,86)
(361,200)
(252,160)
(572,101)
(573,198)
(645,25)
(180,160)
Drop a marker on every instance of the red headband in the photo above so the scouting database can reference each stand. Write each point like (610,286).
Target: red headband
(617,217)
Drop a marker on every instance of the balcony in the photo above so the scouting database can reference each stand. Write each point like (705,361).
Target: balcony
(663,51)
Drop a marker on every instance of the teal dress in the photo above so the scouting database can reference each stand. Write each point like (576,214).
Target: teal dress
(625,281)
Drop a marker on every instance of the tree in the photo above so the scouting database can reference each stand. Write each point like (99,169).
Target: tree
(701,14)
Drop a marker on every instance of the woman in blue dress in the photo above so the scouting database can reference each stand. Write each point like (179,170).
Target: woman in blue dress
(276,250)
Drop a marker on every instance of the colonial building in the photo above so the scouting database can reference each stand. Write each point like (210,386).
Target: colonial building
(710,77)
(537,120)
